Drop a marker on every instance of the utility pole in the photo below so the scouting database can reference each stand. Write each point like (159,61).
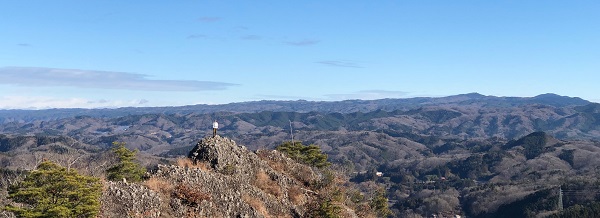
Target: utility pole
(291,132)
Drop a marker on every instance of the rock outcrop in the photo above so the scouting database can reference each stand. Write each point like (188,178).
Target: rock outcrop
(220,179)
(122,199)
(236,182)
(224,156)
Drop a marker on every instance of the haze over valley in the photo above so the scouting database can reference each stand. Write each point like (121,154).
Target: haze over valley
(299,109)
(477,144)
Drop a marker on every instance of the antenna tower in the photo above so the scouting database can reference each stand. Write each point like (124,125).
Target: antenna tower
(291,132)
(560,199)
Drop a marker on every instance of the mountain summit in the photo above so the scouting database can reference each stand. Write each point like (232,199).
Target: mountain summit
(558,100)
(222,179)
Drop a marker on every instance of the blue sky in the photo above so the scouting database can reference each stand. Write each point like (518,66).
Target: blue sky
(157,53)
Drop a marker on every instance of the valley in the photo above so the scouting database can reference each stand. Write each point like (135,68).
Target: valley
(474,155)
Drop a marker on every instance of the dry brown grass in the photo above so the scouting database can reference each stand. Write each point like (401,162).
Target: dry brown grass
(256,204)
(296,195)
(190,195)
(159,186)
(186,162)
(304,174)
(299,172)
(104,183)
(275,164)
(264,182)
(278,166)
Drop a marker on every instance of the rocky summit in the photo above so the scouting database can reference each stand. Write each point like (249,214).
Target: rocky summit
(221,179)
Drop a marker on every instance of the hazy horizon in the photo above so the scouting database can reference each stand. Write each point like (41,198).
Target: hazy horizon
(109,54)
(292,100)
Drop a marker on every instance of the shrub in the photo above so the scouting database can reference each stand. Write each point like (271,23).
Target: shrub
(302,173)
(296,195)
(190,195)
(186,162)
(53,191)
(328,209)
(379,204)
(125,167)
(256,204)
(159,186)
(264,182)
(310,154)
(327,180)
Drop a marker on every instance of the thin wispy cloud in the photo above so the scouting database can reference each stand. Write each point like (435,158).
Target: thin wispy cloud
(351,64)
(24,44)
(303,42)
(45,102)
(53,77)
(279,97)
(107,103)
(369,95)
(209,19)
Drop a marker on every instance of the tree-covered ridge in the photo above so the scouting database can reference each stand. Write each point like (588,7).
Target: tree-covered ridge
(156,132)
(460,156)
(347,106)
(589,210)
(491,177)
(533,144)
(457,175)
(8,143)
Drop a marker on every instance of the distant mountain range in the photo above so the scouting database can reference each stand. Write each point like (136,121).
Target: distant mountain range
(301,106)
(481,154)
(266,123)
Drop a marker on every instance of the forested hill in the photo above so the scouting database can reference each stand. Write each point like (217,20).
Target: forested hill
(348,106)
(475,155)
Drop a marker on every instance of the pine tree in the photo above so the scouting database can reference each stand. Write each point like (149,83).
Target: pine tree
(379,204)
(328,209)
(126,167)
(310,154)
(52,191)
